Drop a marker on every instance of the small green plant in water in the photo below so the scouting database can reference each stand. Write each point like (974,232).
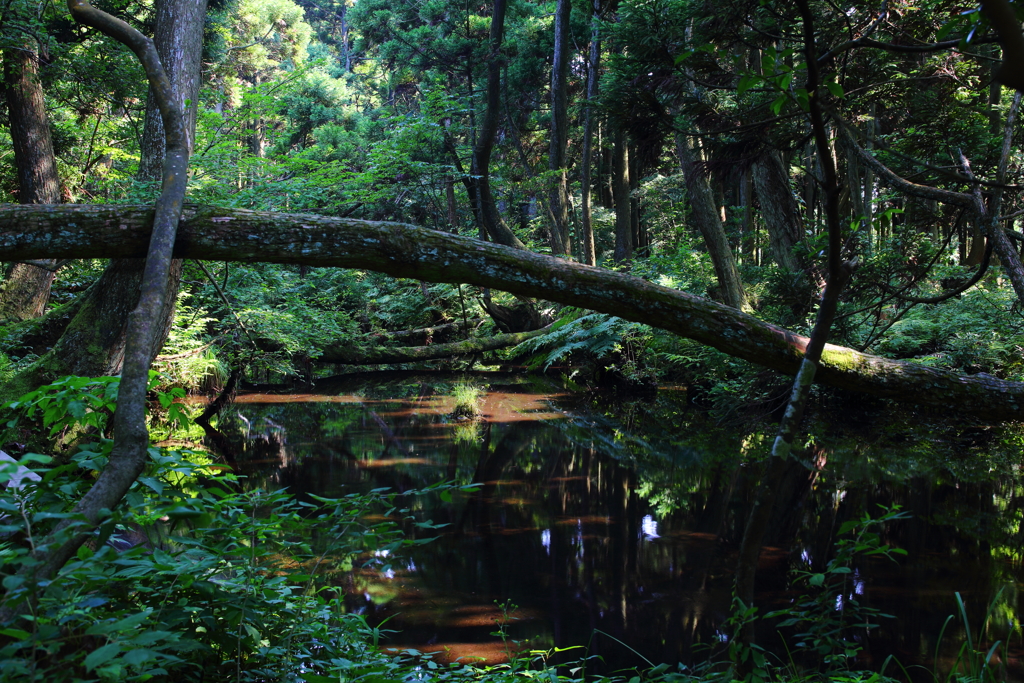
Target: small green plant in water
(467,400)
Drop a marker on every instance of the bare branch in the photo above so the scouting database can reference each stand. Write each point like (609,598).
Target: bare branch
(902,184)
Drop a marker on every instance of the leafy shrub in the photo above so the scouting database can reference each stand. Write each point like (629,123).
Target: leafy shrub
(192,576)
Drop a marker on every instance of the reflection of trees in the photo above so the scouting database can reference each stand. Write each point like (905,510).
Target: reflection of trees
(557,524)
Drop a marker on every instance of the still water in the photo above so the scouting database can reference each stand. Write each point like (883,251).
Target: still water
(614,525)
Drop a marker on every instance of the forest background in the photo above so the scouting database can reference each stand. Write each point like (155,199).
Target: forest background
(739,161)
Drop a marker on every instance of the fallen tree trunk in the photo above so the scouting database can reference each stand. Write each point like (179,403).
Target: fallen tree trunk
(425,335)
(88,231)
(385,355)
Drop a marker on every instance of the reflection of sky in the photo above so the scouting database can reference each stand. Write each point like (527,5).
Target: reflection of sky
(545,539)
(649,527)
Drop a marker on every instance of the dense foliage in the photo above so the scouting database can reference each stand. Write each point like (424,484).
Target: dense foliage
(691,154)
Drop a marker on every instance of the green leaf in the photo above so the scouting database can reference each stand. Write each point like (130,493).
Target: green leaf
(16,633)
(746,83)
(946,29)
(101,656)
(803,99)
(139,656)
(779,103)
(183,512)
(77,409)
(834,88)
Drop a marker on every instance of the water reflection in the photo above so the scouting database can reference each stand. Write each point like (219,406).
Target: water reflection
(624,519)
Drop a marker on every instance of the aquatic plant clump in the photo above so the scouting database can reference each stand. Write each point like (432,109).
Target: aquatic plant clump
(467,401)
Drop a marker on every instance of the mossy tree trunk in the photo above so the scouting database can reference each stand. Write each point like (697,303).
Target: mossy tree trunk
(402,250)
(709,222)
(779,210)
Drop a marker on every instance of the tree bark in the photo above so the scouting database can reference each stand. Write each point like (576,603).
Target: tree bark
(98,231)
(26,289)
(178,35)
(559,195)
(779,210)
(705,215)
(490,218)
(587,163)
(383,355)
(620,193)
(95,341)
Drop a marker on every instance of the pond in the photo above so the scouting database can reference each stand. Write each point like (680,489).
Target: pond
(614,525)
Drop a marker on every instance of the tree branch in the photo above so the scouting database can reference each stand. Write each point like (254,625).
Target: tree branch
(131,438)
(902,184)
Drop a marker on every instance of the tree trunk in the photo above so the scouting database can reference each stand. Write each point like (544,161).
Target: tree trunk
(130,449)
(779,210)
(490,219)
(586,178)
(709,222)
(384,355)
(26,289)
(95,338)
(559,195)
(620,194)
(838,275)
(178,35)
(402,250)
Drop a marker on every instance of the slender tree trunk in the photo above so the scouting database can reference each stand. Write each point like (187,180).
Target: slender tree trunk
(346,51)
(779,210)
(637,236)
(838,275)
(559,195)
(586,178)
(26,289)
(746,242)
(869,182)
(706,216)
(620,194)
(1008,256)
(490,218)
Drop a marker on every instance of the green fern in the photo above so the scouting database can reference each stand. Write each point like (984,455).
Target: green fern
(576,332)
